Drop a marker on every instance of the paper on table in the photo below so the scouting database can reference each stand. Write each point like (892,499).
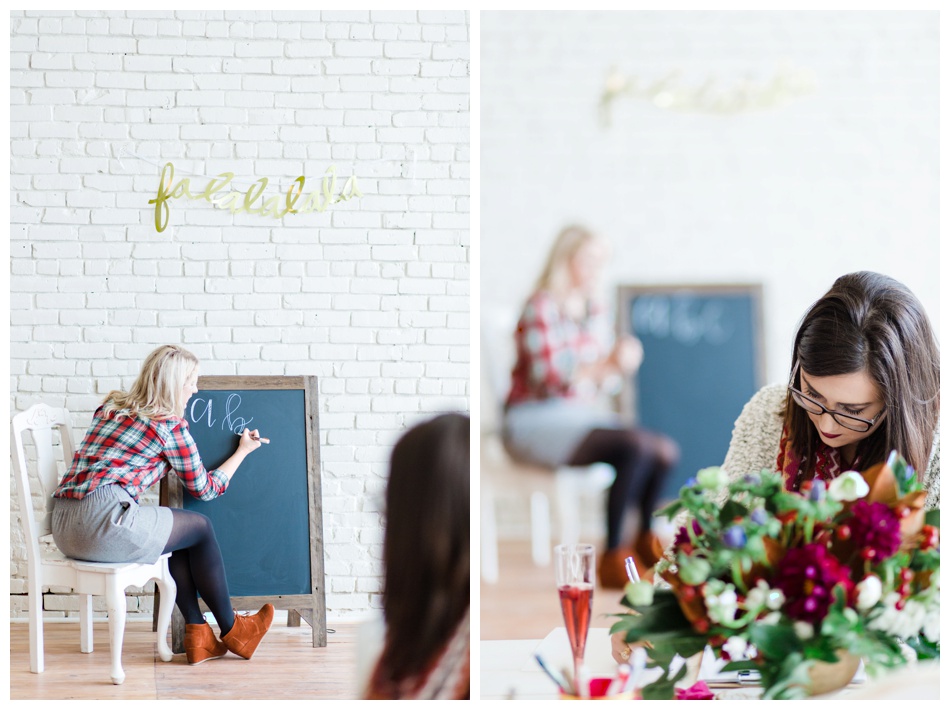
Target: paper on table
(555,649)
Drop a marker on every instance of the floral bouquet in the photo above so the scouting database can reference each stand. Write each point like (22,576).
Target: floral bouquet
(778,581)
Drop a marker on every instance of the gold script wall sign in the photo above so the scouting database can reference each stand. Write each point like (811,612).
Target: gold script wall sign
(277,206)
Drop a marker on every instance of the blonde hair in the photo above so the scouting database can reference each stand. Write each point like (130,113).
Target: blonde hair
(157,391)
(555,277)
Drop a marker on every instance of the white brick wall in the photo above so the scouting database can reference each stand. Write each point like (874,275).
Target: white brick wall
(371,295)
(840,180)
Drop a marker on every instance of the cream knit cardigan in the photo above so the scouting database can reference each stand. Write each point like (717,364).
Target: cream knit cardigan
(758,432)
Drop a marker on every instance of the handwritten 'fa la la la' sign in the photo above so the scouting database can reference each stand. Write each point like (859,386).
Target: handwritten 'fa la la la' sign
(217,193)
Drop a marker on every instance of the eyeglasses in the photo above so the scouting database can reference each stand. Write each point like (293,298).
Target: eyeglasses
(848,421)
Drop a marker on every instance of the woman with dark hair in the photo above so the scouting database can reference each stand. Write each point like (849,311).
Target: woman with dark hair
(425,652)
(567,364)
(865,380)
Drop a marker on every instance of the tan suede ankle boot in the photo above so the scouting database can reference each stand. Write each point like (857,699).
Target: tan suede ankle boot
(248,631)
(201,644)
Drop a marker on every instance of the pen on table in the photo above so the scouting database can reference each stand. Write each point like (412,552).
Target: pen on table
(632,573)
(559,682)
(259,438)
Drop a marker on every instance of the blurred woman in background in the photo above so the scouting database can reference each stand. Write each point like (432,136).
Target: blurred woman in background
(425,653)
(566,361)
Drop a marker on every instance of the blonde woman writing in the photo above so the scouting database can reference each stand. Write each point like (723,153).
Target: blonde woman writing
(135,439)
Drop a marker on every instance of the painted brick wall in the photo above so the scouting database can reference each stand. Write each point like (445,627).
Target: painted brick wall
(371,295)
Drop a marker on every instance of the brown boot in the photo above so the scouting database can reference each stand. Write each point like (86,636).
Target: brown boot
(201,644)
(611,570)
(649,549)
(248,631)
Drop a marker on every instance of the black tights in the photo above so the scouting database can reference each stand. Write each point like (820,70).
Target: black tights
(197,568)
(641,459)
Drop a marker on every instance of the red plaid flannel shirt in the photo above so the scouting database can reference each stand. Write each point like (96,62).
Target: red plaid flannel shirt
(135,453)
(550,345)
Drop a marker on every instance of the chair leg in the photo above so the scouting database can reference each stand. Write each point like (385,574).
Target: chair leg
(115,604)
(540,529)
(567,505)
(36,625)
(167,589)
(85,623)
(489,536)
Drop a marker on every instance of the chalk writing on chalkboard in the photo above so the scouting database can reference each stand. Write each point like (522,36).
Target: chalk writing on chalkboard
(269,523)
(201,410)
(685,319)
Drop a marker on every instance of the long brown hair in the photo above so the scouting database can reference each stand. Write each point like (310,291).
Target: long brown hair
(868,322)
(426,549)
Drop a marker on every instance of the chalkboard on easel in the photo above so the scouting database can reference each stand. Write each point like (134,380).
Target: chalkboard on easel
(703,360)
(269,523)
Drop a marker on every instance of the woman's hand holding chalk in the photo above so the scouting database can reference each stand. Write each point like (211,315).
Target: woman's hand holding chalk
(254,436)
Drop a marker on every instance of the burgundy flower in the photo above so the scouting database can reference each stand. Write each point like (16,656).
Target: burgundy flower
(875,526)
(807,575)
(682,536)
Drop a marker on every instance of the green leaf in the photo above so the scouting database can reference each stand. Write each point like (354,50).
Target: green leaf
(774,640)
(932,517)
(923,648)
(730,511)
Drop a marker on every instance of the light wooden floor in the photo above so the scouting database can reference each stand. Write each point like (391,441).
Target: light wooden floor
(524,605)
(285,666)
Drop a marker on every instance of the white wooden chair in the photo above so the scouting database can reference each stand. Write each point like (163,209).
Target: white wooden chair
(85,578)
(500,476)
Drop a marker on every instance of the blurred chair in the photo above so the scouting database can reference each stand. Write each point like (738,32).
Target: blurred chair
(501,477)
(86,578)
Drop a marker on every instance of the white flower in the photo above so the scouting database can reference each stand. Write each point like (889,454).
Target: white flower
(911,619)
(869,592)
(736,647)
(887,618)
(804,630)
(713,478)
(640,593)
(902,623)
(931,626)
(762,596)
(849,486)
(771,619)
(722,605)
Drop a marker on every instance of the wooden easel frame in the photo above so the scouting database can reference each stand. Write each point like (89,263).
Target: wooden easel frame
(311,607)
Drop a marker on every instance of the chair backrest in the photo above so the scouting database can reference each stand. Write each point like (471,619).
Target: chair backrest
(40,420)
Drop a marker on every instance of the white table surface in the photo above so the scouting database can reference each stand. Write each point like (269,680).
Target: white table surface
(509,670)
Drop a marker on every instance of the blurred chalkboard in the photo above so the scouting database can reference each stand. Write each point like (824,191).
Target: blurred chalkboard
(269,521)
(703,360)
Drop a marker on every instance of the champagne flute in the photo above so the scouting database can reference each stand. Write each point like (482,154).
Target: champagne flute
(574,571)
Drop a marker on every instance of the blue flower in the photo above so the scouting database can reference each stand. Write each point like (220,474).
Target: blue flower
(817,492)
(734,537)
(759,516)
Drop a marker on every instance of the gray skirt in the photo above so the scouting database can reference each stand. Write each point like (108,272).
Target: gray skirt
(548,432)
(109,526)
